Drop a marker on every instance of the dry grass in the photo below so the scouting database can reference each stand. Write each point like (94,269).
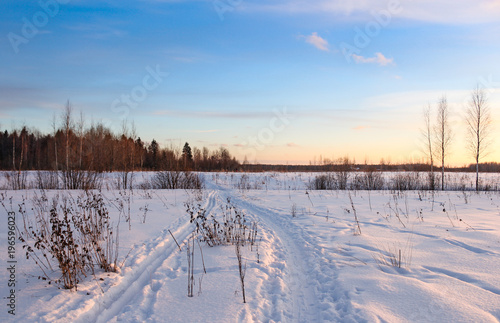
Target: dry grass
(395,255)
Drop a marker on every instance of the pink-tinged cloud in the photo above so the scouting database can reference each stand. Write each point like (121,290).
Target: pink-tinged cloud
(317,41)
(441,11)
(292,145)
(359,128)
(379,59)
(206,131)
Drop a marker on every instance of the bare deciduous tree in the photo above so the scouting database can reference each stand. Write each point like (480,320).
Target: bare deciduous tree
(67,124)
(54,130)
(133,136)
(67,121)
(443,134)
(127,152)
(81,129)
(14,135)
(428,137)
(478,120)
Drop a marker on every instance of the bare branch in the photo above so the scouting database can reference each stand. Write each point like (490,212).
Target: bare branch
(478,121)
(442,134)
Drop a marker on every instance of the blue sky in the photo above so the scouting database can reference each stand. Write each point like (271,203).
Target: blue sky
(276,81)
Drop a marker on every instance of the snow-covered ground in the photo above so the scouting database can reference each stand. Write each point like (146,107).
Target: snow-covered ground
(312,262)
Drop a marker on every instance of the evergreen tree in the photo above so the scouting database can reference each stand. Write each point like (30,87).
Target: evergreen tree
(187,155)
(153,152)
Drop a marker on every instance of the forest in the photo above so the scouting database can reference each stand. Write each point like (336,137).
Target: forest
(73,146)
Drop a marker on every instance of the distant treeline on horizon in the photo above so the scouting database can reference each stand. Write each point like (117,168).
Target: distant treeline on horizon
(490,167)
(98,149)
(74,147)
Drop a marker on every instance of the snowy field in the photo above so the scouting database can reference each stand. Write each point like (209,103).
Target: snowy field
(319,256)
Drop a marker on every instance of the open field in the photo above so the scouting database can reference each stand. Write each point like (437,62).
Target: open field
(318,255)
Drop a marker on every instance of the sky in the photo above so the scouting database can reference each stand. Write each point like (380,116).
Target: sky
(276,81)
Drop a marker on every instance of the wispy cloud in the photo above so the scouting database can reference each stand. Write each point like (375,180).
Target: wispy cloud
(317,41)
(379,59)
(204,131)
(98,31)
(292,145)
(441,11)
(186,55)
(359,128)
(413,101)
(213,114)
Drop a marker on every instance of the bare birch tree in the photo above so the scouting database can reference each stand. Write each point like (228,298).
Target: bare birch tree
(428,138)
(125,157)
(443,134)
(54,129)
(133,136)
(14,135)
(478,120)
(67,122)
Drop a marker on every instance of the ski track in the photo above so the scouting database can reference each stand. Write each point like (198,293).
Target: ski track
(138,286)
(312,278)
(270,292)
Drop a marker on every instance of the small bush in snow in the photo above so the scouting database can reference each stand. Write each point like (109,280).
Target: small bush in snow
(229,228)
(76,234)
(177,180)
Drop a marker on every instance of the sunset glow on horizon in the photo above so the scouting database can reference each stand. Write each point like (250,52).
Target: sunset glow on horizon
(272,81)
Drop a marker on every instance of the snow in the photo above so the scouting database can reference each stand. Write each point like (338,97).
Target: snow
(313,267)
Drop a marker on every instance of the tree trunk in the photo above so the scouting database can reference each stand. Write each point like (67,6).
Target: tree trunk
(477,173)
(442,174)
(13,151)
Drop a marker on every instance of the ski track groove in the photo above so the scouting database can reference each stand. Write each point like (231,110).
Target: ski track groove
(304,299)
(317,294)
(143,278)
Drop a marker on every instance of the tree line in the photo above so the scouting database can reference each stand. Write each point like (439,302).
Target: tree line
(74,145)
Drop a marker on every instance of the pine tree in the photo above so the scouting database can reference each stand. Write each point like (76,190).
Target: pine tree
(187,155)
